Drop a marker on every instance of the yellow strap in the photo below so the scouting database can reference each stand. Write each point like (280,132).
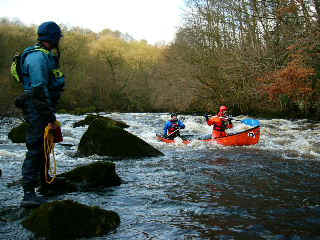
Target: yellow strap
(43,50)
(14,73)
(57,73)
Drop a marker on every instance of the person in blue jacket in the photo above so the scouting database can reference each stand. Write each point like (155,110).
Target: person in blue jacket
(171,128)
(43,83)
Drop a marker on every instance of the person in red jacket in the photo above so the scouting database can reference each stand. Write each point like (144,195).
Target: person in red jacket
(220,123)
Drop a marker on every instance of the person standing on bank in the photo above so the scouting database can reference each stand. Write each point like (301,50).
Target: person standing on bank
(43,83)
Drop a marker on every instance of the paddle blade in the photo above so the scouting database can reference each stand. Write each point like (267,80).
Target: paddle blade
(251,122)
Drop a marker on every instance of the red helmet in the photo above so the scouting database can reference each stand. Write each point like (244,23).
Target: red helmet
(223,108)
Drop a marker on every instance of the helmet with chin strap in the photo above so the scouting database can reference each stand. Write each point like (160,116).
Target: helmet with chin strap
(49,32)
(223,110)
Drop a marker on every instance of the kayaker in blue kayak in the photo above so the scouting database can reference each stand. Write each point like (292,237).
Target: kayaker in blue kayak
(172,127)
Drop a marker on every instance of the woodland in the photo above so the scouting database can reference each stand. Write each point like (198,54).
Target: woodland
(258,57)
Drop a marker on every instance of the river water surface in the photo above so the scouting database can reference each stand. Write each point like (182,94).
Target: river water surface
(199,191)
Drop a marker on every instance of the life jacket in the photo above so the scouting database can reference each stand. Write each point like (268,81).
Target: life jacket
(174,126)
(18,60)
(219,124)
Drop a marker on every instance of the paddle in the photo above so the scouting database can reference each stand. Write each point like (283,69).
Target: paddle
(184,138)
(177,130)
(251,122)
(248,121)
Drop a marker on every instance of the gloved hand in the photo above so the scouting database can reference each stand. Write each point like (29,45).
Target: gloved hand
(56,131)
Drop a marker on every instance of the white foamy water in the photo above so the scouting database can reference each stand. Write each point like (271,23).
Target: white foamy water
(296,139)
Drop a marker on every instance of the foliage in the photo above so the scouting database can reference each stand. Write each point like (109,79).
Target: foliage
(250,55)
(234,43)
(103,71)
(293,82)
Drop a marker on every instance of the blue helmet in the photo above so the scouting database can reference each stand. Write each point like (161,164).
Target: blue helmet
(50,32)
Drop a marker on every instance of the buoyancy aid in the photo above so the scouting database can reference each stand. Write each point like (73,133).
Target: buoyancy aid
(18,73)
(16,66)
(174,126)
(56,82)
(220,124)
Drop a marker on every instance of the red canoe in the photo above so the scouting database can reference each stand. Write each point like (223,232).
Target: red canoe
(244,138)
(161,138)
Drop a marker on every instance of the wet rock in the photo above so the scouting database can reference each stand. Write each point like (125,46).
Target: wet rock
(18,134)
(105,139)
(85,178)
(70,220)
(90,118)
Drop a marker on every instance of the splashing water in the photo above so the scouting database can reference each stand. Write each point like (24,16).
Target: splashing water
(196,191)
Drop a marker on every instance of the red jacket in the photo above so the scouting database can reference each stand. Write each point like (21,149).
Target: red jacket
(220,124)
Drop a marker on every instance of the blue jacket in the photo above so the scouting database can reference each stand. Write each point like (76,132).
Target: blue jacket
(169,125)
(41,69)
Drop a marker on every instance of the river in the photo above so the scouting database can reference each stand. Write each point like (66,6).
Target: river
(198,191)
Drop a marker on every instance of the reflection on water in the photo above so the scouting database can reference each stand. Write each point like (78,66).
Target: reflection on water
(253,199)
(196,191)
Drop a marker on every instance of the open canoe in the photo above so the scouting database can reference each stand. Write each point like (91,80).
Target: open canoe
(244,138)
(166,140)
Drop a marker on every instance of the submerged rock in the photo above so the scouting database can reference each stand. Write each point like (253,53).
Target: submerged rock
(70,220)
(103,138)
(18,134)
(85,178)
(90,118)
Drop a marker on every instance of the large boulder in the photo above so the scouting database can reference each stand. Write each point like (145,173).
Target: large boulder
(84,178)
(90,118)
(103,138)
(70,220)
(18,134)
